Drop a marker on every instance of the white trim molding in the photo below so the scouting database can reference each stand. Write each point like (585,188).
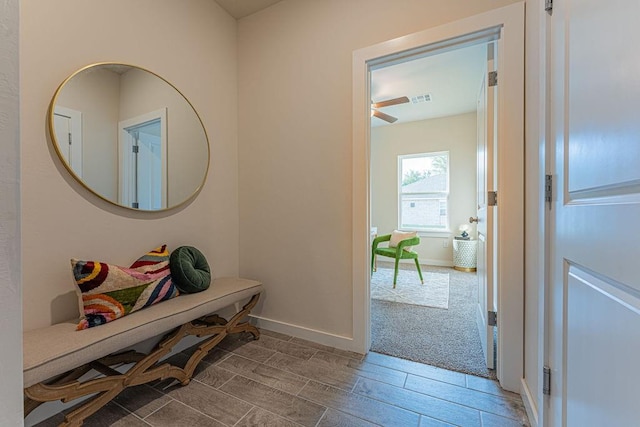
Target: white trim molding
(529,403)
(320,337)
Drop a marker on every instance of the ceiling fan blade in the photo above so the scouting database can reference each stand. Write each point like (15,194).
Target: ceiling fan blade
(389,102)
(383,116)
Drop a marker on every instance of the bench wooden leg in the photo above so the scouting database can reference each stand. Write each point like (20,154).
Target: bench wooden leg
(146,368)
(230,327)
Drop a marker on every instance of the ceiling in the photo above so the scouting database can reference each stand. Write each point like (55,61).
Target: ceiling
(452,79)
(241,8)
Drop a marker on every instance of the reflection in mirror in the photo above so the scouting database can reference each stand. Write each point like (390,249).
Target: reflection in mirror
(129,136)
(143,152)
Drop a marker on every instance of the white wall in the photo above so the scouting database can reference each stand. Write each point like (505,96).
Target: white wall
(193,45)
(10,302)
(295,131)
(456,134)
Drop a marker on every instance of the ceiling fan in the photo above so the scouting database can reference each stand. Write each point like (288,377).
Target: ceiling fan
(387,103)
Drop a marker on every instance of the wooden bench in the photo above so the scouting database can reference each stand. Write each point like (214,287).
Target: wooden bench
(57,356)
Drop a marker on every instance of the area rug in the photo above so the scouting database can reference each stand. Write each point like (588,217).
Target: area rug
(447,339)
(433,293)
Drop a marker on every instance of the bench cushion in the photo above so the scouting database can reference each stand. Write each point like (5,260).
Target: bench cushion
(56,349)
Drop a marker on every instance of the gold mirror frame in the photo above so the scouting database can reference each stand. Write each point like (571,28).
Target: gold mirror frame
(187,159)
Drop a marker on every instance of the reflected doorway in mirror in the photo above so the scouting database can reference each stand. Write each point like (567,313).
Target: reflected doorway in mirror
(68,125)
(142,145)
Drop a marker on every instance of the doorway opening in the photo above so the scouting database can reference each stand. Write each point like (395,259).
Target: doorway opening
(143,161)
(507,24)
(68,128)
(432,127)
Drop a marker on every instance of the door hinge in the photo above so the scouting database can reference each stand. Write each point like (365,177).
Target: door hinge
(548,189)
(546,380)
(548,6)
(135,148)
(70,142)
(493,78)
(492,198)
(492,318)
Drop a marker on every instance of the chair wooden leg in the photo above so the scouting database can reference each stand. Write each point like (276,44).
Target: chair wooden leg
(395,273)
(419,271)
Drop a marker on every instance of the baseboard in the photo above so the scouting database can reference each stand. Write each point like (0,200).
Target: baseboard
(326,338)
(529,403)
(320,337)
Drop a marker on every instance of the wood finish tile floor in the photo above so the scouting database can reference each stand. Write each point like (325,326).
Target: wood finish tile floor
(283,381)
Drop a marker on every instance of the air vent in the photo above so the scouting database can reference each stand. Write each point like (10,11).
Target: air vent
(421,98)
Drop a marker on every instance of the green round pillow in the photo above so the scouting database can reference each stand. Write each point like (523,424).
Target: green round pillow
(189,270)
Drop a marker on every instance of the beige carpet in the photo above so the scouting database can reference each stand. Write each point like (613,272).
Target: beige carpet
(409,290)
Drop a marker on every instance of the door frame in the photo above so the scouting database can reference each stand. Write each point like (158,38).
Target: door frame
(510,166)
(124,166)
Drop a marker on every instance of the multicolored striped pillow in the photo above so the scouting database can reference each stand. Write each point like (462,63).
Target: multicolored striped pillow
(109,292)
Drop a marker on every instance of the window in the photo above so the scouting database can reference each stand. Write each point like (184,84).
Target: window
(423,196)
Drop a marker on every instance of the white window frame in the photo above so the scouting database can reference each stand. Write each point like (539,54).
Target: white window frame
(435,195)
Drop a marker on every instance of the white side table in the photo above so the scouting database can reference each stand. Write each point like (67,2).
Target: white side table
(464,254)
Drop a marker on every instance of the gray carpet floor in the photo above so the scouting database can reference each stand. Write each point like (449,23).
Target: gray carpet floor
(446,338)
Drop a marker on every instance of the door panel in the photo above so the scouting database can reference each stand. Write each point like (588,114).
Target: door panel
(595,289)
(149,171)
(603,113)
(595,392)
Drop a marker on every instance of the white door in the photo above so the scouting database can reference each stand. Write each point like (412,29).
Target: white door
(595,286)
(485,213)
(149,168)
(67,124)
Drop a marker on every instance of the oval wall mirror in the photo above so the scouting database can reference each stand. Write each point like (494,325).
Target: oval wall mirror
(129,136)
